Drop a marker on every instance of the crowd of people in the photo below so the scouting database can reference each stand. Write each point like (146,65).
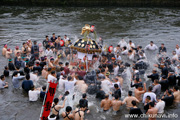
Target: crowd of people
(55,61)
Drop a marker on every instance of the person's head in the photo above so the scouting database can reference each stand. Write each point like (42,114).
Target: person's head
(151,43)
(177,46)
(35,42)
(53,34)
(106,96)
(5,46)
(174,52)
(136,80)
(150,88)
(102,70)
(15,74)
(116,86)
(133,103)
(68,109)
(130,93)
(6,67)
(44,88)
(156,81)
(69,78)
(116,96)
(32,87)
(60,63)
(154,71)
(47,37)
(49,69)
(115,79)
(151,105)
(65,36)
(84,95)
(148,98)
(53,73)
(52,116)
(2,77)
(140,87)
(56,100)
(27,77)
(169,92)
(175,88)
(17,67)
(83,107)
(67,64)
(162,45)
(124,47)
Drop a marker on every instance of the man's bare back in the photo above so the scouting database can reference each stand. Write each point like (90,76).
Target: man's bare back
(116,104)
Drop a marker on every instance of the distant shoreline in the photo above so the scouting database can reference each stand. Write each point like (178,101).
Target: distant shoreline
(93,3)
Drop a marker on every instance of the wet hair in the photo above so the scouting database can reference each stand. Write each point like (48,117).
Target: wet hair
(66,93)
(150,88)
(118,45)
(124,47)
(116,85)
(15,73)
(17,67)
(130,93)
(52,116)
(32,87)
(69,78)
(60,63)
(102,70)
(148,97)
(133,103)
(80,77)
(24,43)
(56,100)
(130,51)
(53,34)
(44,87)
(66,63)
(68,108)
(106,96)
(151,104)
(53,72)
(151,42)
(6,67)
(61,69)
(59,36)
(169,91)
(104,65)
(176,87)
(46,36)
(84,95)
(156,80)
(116,79)
(49,69)
(35,42)
(137,79)
(2,76)
(27,76)
(116,96)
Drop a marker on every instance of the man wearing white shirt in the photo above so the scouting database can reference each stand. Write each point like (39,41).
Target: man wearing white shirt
(116,69)
(177,50)
(160,106)
(70,84)
(49,52)
(124,51)
(34,94)
(62,81)
(117,49)
(122,43)
(52,77)
(130,45)
(151,94)
(34,76)
(151,46)
(175,56)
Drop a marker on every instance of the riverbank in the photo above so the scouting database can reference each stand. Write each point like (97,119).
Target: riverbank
(90,3)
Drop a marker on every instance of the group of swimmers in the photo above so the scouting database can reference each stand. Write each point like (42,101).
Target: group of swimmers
(55,61)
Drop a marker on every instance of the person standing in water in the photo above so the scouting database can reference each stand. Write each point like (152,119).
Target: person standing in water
(4,50)
(55,107)
(151,46)
(106,103)
(129,99)
(79,113)
(152,112)
(116,103)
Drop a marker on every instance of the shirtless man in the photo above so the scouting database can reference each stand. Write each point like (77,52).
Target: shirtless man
(51,63)
(82,86)
(128,100)
(79,113)
(176,94)
(139,91)
(152,111)
(17,50)
(4,50)
(116,103)
(57,60)
(55,107)
(8,53)
(66,115)
(120,79)
(106,103)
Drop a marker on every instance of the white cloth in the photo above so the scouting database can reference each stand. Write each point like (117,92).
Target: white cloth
(118,58)
(33,95)
(51,78)
(81,56)
(129,46)
(122,43)
(49,53)
(160,106)
(34,77)
(152,48)
(177,51)
(125,52)
(151,94)
(69,86)
(2,84)
(175,57)
(116,69)
(131,57)
(61,83)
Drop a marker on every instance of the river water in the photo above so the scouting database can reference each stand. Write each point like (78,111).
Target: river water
(141,25)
